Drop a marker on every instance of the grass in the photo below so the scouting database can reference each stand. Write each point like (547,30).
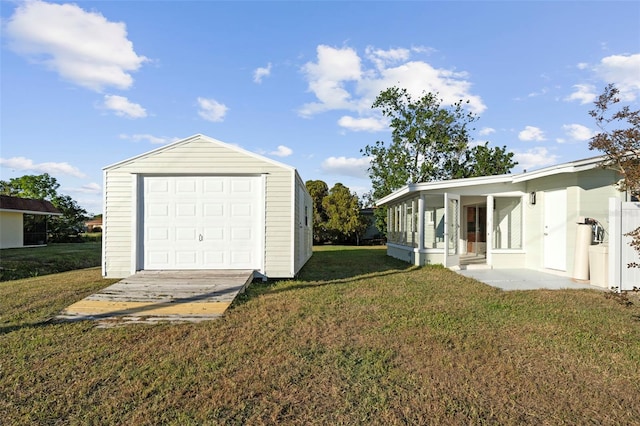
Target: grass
(359,338)
(54,258)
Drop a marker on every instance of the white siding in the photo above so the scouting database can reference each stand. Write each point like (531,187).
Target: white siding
(11,230)
(303,225)
(196,155)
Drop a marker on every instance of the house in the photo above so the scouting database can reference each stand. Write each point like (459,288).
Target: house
(544,219)
(199,203)
(23,221)
(94,225)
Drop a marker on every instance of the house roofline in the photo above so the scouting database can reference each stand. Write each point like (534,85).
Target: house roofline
(570,167)
(194,137)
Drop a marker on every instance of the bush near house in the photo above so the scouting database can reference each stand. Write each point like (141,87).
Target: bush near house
(359,338)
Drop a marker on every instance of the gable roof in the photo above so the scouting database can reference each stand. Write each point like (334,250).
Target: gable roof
(570,167)
(195,137)
(27,205)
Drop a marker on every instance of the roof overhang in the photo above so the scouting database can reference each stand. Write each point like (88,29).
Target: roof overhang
(453,184)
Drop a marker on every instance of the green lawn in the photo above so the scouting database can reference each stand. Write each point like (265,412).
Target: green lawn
(36,261)
(359,338)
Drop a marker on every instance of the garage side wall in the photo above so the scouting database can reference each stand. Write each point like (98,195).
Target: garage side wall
(303,224)
(196,156)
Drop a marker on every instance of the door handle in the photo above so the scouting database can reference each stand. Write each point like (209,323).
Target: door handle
(200,237)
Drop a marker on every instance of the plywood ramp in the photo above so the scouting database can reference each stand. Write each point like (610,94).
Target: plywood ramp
(153,296)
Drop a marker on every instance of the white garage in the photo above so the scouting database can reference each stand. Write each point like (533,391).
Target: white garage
(201,204)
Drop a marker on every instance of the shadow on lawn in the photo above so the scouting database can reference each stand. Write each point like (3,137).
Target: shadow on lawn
(335,265)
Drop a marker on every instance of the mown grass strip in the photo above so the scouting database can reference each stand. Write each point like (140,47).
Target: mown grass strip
(358,338)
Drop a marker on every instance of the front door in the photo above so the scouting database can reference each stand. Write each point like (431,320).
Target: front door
(555,230)
(451,230)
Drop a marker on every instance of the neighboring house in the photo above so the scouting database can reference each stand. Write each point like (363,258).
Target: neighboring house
(526,220)
(23,221)
(93,223)
(200,203)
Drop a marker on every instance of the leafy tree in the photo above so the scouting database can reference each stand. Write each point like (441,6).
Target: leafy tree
(318,190)
(45,187)
(484,161)
(344,221)
(619,139)
(428,142)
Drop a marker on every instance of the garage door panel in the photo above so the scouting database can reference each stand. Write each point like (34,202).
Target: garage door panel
(213,234)
(241,185)
(186,209)
(158,234)
(241,210)
(186,258)
(158,257)
(157,209)
(213,210)
(186,186)
(216,258)
(214,186)
(186,234)
(202,222)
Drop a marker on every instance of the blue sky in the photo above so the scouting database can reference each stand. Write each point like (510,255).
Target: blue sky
(87,84)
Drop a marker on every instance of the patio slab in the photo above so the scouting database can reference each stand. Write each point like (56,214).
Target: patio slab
(525,279)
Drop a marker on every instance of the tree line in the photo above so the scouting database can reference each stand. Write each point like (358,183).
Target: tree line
(337,216)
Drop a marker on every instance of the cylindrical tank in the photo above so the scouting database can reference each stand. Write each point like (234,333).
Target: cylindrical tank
(581,259)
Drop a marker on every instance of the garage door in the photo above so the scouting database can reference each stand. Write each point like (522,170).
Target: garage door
(202,222)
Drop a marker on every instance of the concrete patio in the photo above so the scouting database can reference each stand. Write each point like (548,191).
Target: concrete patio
(525,279)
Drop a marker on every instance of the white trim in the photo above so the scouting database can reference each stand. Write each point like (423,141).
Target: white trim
(136,239)
(571,167)
(263,225)
(104,224)
(294,243)
(41,213)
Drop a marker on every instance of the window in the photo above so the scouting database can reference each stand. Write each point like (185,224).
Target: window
(34,229)
(507,223)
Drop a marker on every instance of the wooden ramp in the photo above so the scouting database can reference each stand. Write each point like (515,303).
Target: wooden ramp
(153,296)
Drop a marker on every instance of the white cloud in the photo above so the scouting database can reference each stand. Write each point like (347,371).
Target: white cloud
(212,110)
(531,133)
(260,73)
(624,72)
(383,58)
(156,140)
(577,132)
(90,188)
(282,151)
(585,93)
(327,79)
(123,107)
(82,47)
(24,164)
(534,158)
(340,81)
(486,131)
(368,124)
(354,167)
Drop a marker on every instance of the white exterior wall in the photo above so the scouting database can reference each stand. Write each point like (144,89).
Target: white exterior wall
(303,224)
(587,196)
(11,230)
(196,155)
